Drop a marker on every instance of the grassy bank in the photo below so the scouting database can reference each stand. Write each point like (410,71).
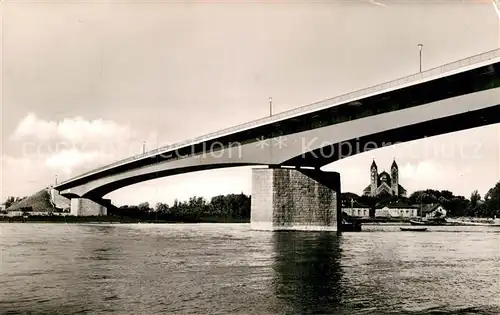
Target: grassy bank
(385,220)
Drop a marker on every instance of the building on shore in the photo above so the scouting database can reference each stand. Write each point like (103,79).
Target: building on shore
(433,211)
(384,183)
(397,210)
(356,209)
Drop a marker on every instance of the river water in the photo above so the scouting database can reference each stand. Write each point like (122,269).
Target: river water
(228,269)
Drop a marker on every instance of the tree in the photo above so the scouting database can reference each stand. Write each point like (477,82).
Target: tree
(161,207)
(12,200)
(475,197)
(421,198)
(447,194)
(456,206)
(346,198)
(492,200)
(9,201)
(369,201)
(442,200)
(218,205)
(143,206)
(493,193)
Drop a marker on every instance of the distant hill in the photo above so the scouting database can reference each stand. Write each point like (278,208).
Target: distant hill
(39,202)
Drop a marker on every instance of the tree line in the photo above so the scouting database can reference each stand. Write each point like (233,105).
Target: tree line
(222,208)
(11,200)
(236,207)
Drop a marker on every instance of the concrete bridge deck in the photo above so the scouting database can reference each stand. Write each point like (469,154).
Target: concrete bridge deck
(460,66)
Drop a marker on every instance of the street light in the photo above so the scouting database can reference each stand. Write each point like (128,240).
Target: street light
(270,106)
(143,147)
(420,47)
(496,6)
(56,179)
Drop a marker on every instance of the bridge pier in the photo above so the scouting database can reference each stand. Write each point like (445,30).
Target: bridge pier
(295,199)
(87,207)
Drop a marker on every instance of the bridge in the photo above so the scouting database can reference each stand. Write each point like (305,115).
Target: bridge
(292,146)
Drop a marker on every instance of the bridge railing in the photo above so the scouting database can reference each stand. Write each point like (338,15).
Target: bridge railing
(352,96)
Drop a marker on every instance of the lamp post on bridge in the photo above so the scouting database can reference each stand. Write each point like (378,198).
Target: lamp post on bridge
(496,6)
(143,147)
(56,179)
(420,47)
(270,106)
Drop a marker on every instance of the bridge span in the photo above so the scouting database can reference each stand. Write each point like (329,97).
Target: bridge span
(456,96)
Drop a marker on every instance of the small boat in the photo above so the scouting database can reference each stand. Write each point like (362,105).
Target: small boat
(351,226)
(414,229)
(415,222)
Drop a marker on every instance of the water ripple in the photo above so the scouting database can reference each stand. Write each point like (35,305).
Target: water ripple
(228,269)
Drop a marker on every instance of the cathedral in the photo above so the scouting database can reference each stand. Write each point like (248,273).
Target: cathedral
(384,183)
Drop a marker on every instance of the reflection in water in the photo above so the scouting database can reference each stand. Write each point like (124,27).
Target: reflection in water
(421,273)
(308,272)
(96,246)
(89,269)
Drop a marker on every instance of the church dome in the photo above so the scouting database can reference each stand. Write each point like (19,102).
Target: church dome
(385,177)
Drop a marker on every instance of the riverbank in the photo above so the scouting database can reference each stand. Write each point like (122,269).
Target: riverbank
(398,223)
(123,219)
(114,219)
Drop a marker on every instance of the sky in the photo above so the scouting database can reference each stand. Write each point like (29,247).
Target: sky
(85,83)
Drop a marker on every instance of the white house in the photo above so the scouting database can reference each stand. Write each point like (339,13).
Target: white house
(433,211)
(396,210)
(356,209)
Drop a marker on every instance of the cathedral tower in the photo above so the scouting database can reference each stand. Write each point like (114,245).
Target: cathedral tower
(395,178)
(373,179)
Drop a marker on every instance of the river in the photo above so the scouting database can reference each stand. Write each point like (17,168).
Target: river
(228,269)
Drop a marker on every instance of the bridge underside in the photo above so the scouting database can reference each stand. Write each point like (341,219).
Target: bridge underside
(316,158)
(312,148)
(282,199)
(103,190)
(331,153)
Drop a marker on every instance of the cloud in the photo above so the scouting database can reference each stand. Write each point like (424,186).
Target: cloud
(77,143)
(67,160)
(22,176)
(76,129)
(31,126)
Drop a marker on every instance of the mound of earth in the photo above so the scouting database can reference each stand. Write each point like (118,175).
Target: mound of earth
(38,202)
